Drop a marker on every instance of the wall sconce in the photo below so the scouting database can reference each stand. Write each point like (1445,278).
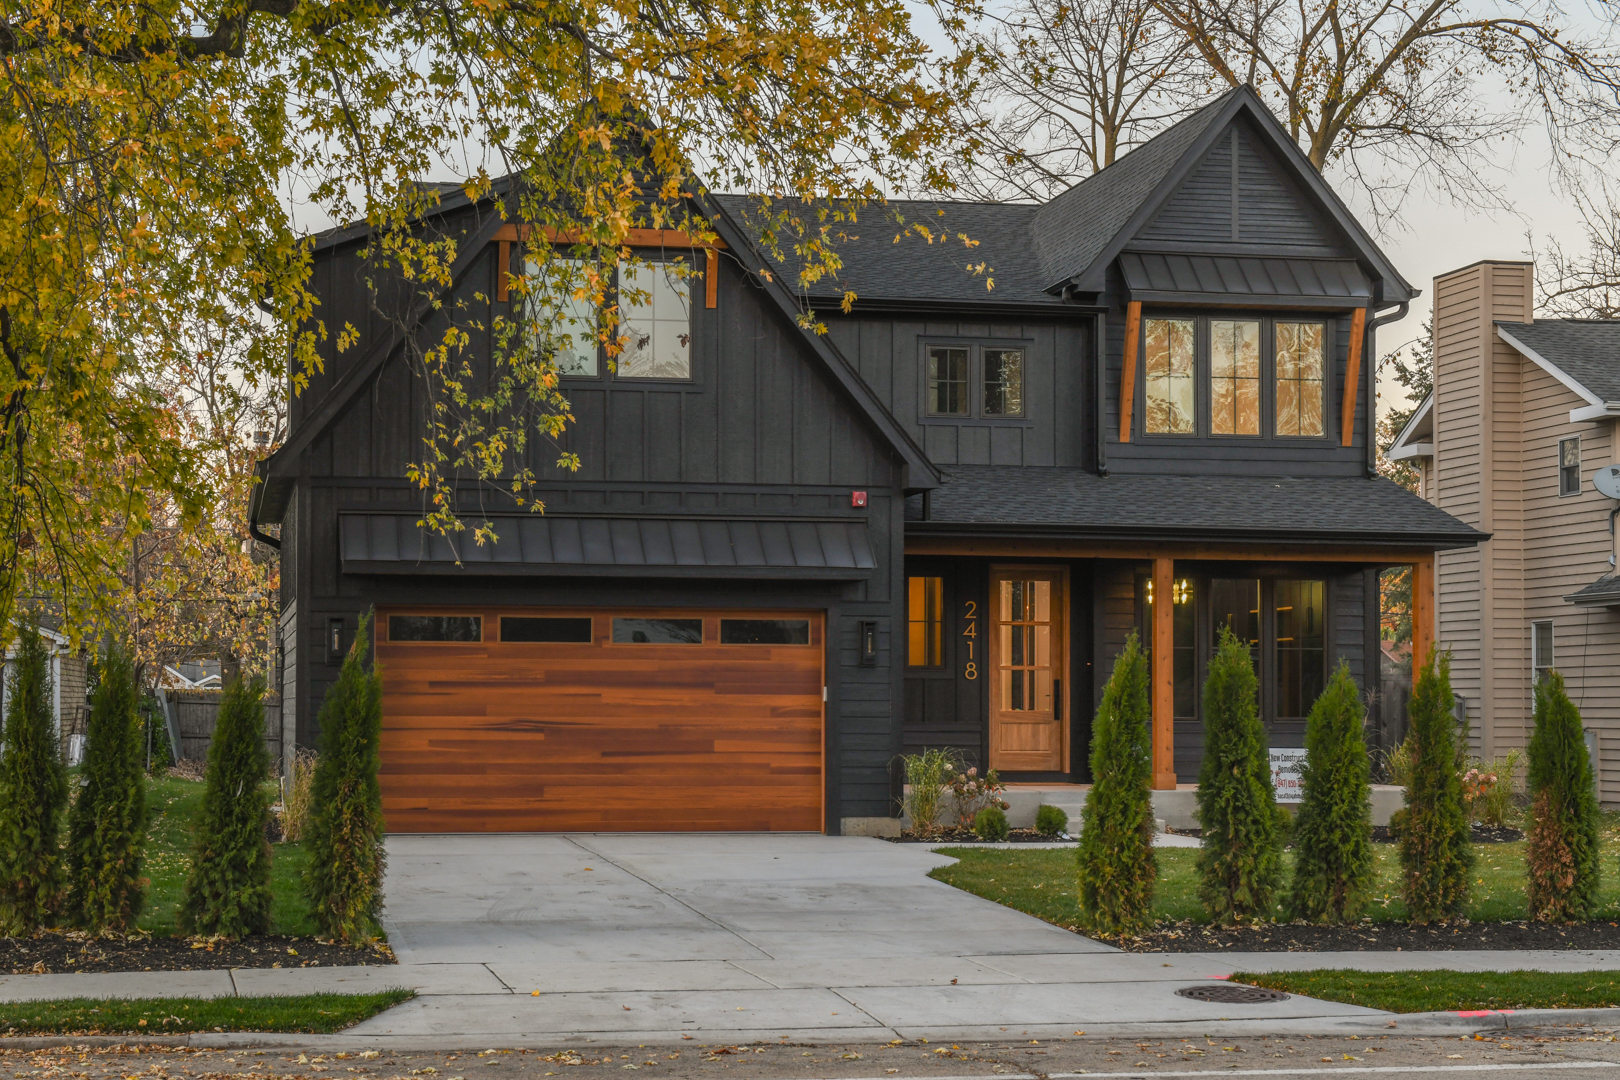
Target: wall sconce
(1182,592)
(334,640)
(866,634)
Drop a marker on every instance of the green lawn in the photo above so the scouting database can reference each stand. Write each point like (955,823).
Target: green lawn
(1042,882)
(1449,991)
(173,804)
(317,1014)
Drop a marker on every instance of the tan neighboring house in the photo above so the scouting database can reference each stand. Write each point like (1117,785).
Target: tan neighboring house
(1524,411)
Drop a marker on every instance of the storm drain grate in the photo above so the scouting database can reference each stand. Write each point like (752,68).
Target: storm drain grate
(1227,993)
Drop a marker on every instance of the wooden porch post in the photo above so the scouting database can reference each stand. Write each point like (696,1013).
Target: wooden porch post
(1423,612)
(1164,675)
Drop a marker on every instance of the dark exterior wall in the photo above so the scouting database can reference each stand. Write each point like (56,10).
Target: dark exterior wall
(759,430)
(1057,429)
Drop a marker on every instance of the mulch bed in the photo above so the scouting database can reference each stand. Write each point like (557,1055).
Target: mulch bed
(1368,937)
(956,835)
(54,953)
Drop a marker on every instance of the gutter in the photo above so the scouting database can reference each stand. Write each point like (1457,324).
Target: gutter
(261,474)
(1150,534)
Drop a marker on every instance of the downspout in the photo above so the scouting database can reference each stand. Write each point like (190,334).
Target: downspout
(1371,345)
(263,476)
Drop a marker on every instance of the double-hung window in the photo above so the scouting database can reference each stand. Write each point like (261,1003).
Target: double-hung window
(1541,650)
(1235,377)
(974,381)
(1569,466)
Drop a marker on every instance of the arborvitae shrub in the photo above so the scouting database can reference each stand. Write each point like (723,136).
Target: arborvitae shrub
(1435,853)
(990,823)
(228,893)
(33,793)
(107,829)
(1561,846)
(1240,861)
(1051,820)
(1117,866)
(344,879)
(1333,853)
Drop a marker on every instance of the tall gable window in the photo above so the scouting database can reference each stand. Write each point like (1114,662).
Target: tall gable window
(974,380)
(1234,377)
(947,381)
(1301,379)
(1171,379)
(563,315)
(655,308)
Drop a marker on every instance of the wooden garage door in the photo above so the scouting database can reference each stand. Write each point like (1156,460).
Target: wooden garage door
(525,720)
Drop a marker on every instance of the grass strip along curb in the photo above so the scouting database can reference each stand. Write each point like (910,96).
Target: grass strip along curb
(312,1014)
(1448,991)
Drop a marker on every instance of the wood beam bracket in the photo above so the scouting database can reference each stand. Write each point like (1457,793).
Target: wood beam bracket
(1352,377)
(1127,372)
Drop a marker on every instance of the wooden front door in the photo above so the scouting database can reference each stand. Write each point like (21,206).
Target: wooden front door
(1027,667)
(592,720)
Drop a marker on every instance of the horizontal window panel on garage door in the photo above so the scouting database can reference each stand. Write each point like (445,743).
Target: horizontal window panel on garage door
(717,729)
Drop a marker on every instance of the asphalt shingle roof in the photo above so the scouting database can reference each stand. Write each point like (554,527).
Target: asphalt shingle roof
(1604,592)
(1587,350)
(1345,509)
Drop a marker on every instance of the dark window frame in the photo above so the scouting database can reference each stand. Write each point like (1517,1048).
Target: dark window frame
(603,376)
(1203,372)
(937,623)
(976,348)
(1569,475)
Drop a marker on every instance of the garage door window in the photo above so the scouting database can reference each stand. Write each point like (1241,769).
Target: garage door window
(657,631)
(547,630)
(764,631)
(435,628)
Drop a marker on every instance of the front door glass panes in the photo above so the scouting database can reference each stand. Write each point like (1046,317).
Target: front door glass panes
(1170,383)
(1301,379)
(1025,649)
(1004,382)
(925,619)
(656,322)
(1234,376)
(947,381)
(1184,622)
(1300,609)
(562,314)
(1235,604)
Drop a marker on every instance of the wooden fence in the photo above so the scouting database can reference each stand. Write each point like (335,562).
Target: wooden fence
(192,714)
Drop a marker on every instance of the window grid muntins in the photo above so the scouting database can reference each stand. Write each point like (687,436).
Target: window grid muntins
(947,381)
(1003,382)
(1170,388)
(656,328)
(1301,381)
(1569,466)
(1026,645)
(1541,650)
(1234,376)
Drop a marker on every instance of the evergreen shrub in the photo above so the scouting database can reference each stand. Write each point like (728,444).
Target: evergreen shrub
(990,823)
(228,893)
(107,827)
(344,879)
(33,793)
(1051,820)
(1332,834)
(1435,854)
(1240,860)
(1117,866)
(1561,845)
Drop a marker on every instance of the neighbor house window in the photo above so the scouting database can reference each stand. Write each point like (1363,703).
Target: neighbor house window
(1300,611)
(925,604)
(562,311)
(1301,379)
(1234,377)
(1170,377)
(1541,650)
(464,628)
(947,381)
(1004,382)
(1569,466)
(656,322)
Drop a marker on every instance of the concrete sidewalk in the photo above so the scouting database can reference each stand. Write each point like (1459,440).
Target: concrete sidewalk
(547,940)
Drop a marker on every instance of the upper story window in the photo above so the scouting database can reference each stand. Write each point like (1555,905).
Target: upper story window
(1569,466)
(1541,650)
(656,322)
(976,380)
(1225,376)
(561,307)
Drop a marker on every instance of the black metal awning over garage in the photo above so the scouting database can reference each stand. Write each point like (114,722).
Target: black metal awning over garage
(836,549)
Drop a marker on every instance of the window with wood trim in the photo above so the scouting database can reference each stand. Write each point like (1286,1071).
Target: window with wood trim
(1170,377)
(1301,379)
(1569,466)
(461,628)
(925,617)
(655,312)
(562,315)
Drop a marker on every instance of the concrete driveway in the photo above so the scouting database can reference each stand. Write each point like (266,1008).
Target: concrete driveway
(652,937)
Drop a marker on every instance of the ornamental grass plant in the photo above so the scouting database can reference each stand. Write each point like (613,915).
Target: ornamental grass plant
(1561,844)
(1435,854)
(344,879)
(1332,834)
(107,827)
(1240,860)
(1117,865)
(228,893)
(33,793)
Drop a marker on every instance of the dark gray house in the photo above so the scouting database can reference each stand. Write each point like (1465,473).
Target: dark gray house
(790,557)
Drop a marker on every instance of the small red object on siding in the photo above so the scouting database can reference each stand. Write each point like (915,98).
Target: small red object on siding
(857,498)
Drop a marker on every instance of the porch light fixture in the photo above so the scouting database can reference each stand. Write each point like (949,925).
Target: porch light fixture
(866,631)
(1182,593)
(334,640)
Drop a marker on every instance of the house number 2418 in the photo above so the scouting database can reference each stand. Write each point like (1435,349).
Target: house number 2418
(971,632)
